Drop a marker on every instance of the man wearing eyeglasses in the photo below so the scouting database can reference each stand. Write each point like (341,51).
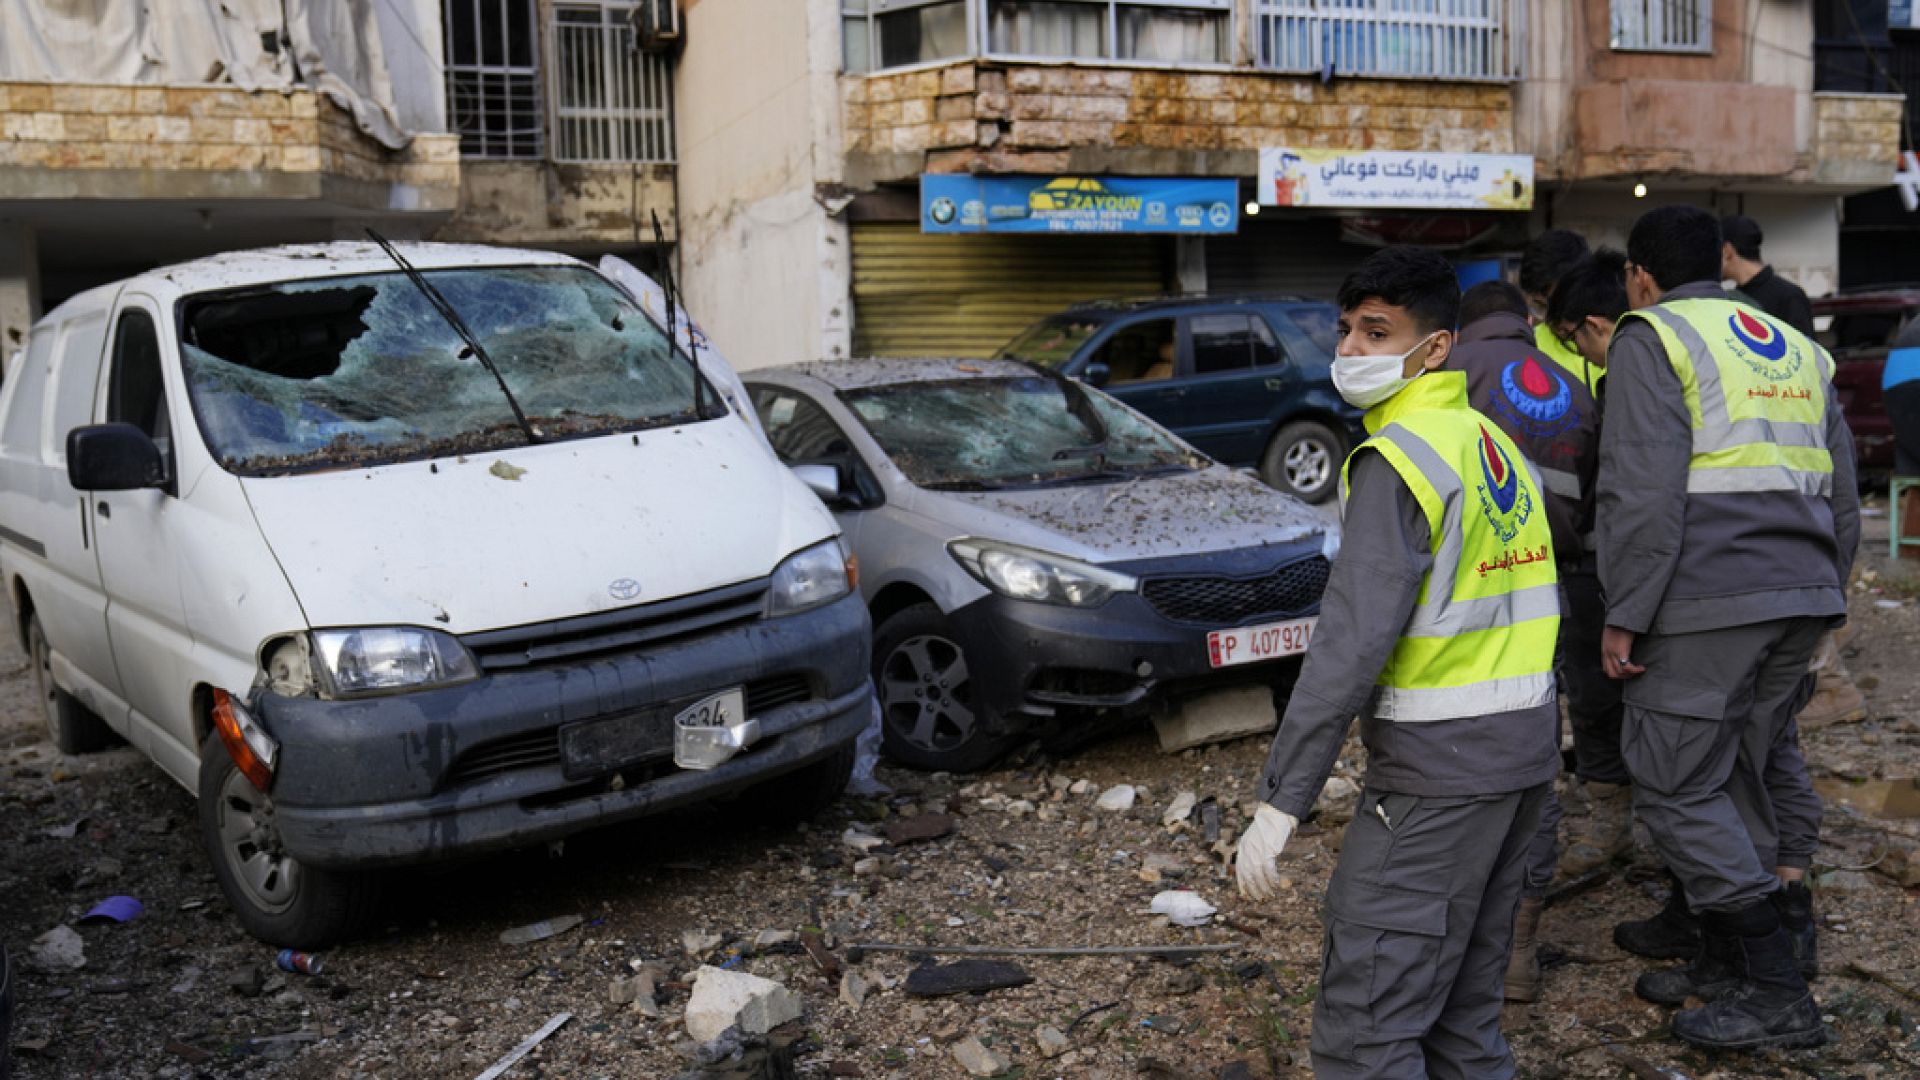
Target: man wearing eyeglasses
(1727,521)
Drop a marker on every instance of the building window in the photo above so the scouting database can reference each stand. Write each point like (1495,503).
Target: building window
(1181,32)
(493,82)
(1456,40)
(612,101)
(1684,26)
(895,33)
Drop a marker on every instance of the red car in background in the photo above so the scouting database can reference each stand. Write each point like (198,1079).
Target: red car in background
(1857,327)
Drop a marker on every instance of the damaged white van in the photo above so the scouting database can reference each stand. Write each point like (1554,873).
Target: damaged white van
(400,554)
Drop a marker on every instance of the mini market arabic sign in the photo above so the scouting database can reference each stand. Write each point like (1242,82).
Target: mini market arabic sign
(1292,176)
(1077,204)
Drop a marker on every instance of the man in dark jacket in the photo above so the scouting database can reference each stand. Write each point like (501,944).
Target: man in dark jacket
(1740,261)
(1554,420)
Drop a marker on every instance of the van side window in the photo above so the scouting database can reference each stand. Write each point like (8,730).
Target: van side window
(20,437)
(138,395)
(76,376)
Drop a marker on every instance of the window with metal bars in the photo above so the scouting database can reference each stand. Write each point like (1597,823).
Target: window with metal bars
(493,78)
(1456,40)
(1683,26)
(610,100)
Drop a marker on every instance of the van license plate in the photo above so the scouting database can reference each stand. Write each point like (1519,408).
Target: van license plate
(596,747)
(1268,641)
(711,731)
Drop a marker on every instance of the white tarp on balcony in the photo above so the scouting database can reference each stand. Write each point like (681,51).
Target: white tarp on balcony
(332,46)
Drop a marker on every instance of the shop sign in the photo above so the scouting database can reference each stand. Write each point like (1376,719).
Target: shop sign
(1419,180)
(1078,204)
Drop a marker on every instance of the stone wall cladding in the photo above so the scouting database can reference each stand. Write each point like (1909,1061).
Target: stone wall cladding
(210,128)
(995,117)
(1857,127)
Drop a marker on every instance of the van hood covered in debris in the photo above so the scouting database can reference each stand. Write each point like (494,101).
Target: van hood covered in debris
(429,543)
(1216,509)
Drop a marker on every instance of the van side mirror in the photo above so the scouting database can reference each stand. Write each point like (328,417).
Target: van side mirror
(113,457)
(1096,374)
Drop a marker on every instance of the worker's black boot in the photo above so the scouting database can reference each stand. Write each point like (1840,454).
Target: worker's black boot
(1771,1006)
(1714,971)
(1794,902)
(1673,934)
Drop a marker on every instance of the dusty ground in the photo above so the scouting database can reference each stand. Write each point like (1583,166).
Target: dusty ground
(435,993)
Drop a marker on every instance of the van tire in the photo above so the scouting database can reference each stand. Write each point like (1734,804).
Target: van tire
(965,735)
(280,901)
(805,791)
(1304,460)
(73,727)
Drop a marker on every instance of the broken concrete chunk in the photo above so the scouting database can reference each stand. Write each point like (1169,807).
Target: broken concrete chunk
(1339,788)
(698,943)
(1163,865)
(724,999)
(977,1059)
(767,939)
(964,976)
(918,828)
(854,990)
(1180,809)
(1217,717)
(1118,797)
(1052,1043)
(59,949)
(859,841)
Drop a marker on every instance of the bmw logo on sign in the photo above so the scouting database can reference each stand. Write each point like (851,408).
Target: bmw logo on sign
(624,589)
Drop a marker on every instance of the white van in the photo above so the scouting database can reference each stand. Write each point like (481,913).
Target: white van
(392,565)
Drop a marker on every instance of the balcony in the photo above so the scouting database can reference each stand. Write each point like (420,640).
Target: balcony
(212,144)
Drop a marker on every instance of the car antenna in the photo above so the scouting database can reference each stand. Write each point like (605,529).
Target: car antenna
(693,345)
(439,304)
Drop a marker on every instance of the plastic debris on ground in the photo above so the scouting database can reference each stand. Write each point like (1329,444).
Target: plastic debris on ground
(116,909)
(540,931)
(1182,908)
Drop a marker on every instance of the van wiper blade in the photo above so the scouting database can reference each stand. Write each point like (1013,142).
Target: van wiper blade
(439,304)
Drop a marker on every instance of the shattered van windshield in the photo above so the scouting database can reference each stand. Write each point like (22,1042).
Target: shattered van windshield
(353,371)
(977,434)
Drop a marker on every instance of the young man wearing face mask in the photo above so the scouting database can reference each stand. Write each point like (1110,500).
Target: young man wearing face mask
(1728,519)
(1437,628)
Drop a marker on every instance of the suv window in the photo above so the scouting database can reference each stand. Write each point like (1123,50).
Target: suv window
(137,394)
(1231,342)
(1141,352)
(799,430)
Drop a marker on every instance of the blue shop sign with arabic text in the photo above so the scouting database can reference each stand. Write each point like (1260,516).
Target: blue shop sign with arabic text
(1078,204)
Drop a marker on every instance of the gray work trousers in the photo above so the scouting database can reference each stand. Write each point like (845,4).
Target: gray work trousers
(1543,851)
(1419,919)
(1700,728)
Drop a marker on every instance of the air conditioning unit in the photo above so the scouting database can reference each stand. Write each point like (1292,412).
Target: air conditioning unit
(657,25)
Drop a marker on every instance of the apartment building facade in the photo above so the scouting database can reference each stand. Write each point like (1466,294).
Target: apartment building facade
(820,140)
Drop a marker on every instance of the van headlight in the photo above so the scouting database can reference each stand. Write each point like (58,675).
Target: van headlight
(1029,574)
(377,659)
(810,577)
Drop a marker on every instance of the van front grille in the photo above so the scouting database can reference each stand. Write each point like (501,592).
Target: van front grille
(585,637)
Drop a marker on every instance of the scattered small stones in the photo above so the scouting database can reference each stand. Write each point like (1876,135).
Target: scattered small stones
(975,1057)
(1119,797)
(1050,1041)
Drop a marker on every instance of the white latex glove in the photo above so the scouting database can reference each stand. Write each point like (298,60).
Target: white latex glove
(1260,847)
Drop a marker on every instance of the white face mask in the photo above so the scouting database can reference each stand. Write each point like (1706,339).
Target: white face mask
(1366,381)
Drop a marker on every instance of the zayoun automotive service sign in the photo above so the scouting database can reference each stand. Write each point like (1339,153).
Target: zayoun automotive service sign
(1077,204)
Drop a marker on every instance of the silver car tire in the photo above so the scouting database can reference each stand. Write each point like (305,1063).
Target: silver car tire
(931,716)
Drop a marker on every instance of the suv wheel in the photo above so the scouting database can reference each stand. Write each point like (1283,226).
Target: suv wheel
(73,727)
(929,716)
(279,900)
(1304,461)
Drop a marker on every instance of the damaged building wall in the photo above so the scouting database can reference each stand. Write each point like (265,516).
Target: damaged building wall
(762,252)
(577,207)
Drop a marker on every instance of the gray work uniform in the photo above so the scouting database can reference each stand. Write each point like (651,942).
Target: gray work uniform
(1554,418)
(1729,593)
(1419,914)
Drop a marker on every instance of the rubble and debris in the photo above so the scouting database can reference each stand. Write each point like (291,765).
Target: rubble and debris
(975,1057)
(1180,809)
(918,828)
(860,841)
(540,931)
(1050,1041)
(723,999)
(1220,716)
(964,977)
(1119,797)
(117,909)
(524,1047)
(1182,908)
(699,943)
(59,949)
(853,990)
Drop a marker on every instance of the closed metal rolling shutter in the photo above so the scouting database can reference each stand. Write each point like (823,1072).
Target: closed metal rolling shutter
(918,294)
(1301,257)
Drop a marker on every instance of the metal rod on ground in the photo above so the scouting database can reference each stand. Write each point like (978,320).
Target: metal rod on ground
(526,1046)
(1045,950)
(1884,980)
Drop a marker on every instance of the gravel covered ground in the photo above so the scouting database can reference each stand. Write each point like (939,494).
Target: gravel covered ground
(1031,860)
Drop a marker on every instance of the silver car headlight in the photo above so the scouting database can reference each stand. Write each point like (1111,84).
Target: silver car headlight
(810,577)
(379,659)
(1024,573)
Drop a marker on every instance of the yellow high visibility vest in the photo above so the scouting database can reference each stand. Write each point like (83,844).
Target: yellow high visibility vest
(1548,342)
(1756,392)
(1482,633)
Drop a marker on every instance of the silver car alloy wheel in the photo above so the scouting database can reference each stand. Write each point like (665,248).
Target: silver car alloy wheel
(925,693)
(250,844)
(1309,463)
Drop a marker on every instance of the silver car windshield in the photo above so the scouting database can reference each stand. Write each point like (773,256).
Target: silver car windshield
(361,370)
(975,434)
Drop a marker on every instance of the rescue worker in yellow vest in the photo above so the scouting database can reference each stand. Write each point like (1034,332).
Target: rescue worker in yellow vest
(1547,258)
(1437,628)
(1727,523)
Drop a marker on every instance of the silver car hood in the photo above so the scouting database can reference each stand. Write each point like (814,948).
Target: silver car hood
(1214,509)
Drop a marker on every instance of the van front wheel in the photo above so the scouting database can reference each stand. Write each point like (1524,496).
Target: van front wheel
(73,727)
(279,900)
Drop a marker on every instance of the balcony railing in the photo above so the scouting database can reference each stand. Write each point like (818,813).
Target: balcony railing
(1462,40)
(611,100)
